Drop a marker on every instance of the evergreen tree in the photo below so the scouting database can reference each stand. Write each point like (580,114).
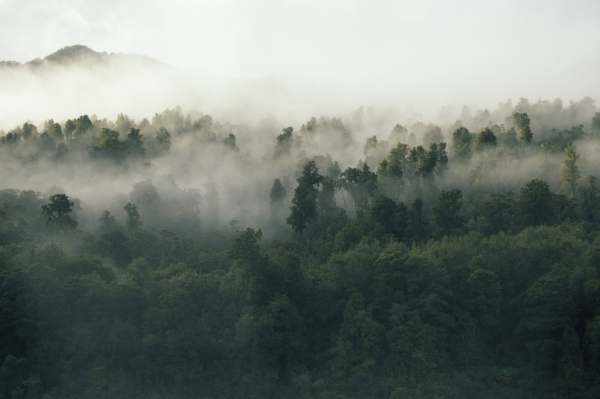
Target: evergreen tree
(304,203)
(522,123)
(569,171)
(134,220)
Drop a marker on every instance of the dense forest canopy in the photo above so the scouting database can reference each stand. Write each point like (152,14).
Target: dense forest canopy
(345,257)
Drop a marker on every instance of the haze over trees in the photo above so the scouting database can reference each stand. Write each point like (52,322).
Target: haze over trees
(348,257)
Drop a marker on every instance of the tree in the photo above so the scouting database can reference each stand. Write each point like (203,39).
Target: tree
(134,144)
(571,358)
(446,213)
(278,192)
(58,212)
(417,229)
(304,203)
(360,339)
(78,127)
(399,134)
(498,213)
(486,139)
(284,142)
(361,183)
(462,141)
(29,131)
(109,145)
(107,222)
(522,123)
(439,157)
(536,203)
(123,124)
(395,163)
(589,200)
(231,142)
(433,134)
(246,249)
(69,129)
(54,130)
(163,138)
(596,123)
(280,334)
(134,221)
(569,172)
(391,217)
(374,150)
(423,163)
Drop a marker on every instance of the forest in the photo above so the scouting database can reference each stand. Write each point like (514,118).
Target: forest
(352,256)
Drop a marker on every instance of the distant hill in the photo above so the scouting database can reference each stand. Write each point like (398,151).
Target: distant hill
(81,55)
(78,80)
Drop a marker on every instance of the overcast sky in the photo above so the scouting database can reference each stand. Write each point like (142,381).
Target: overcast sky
(463,51)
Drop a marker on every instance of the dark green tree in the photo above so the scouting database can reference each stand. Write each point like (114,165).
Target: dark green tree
(447,212)
(58,212)
(134,220)
(360,340)
(399,134)
(596,123)
(395,163)
(280,335)
(589,201)
(163,138)
(486,139)
(304,204)
(536,204)
(134,144)
(462,141)
(569,171)
(284,142)
(522,124)
(29,131)
(418,228)
(231,142)
(278,192)
(361,183)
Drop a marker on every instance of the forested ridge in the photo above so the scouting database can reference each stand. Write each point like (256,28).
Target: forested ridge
(348,257)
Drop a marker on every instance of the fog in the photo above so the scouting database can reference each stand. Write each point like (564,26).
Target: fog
(299,199)
(295,59)
(258,67)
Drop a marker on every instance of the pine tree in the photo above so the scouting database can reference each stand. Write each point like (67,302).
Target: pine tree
(569,171)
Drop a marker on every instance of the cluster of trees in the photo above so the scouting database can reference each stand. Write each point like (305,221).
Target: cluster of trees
(118,141)
(379,278)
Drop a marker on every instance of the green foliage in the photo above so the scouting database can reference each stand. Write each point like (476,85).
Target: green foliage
(462,141)
(522,123)
(134,220)
(596,123)
(569,171)
(231,142)
(589,202)
(361,183)
(360,340)
(163,138)
(304,203)
(134,144)
(399,134)
(58,212)
(411,289)
(536,204)
(396,162)
(284,142)
(486,139)
(278,192)
(447,212)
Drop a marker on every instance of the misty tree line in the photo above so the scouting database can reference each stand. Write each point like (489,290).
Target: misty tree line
(390,277)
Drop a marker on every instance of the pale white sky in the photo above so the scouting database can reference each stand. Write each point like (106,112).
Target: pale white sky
(375,50)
